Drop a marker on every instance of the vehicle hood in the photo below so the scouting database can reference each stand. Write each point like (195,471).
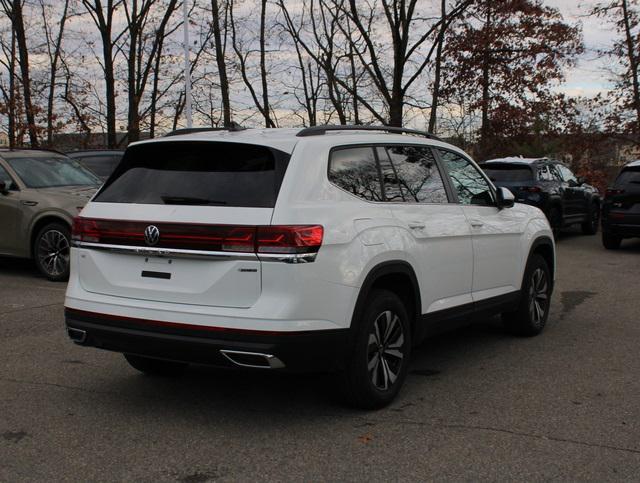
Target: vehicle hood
(67,200)
(85,192)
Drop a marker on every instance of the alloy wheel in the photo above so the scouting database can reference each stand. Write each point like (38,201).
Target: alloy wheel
(385,350)
(538,296)
(53,252)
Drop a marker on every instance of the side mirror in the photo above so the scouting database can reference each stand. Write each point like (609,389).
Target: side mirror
(3,188)
(581,180)
(505,198)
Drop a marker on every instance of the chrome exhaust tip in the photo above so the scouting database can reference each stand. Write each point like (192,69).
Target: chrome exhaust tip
(255,360)
(76,335)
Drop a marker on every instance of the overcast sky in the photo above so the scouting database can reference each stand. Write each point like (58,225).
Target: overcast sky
(590,76)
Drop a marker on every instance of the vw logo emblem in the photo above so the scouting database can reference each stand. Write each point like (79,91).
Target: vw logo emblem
(151,235)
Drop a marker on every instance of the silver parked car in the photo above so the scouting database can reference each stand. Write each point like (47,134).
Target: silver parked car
(40,193)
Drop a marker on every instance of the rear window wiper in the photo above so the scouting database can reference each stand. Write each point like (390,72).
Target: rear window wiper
(189,200)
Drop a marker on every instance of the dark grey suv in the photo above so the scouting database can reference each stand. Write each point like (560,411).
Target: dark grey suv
(565,198)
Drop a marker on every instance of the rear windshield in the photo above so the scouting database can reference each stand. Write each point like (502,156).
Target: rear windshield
(629,178)
(508,172)
(197,173)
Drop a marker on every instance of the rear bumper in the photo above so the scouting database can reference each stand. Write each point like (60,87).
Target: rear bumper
(307,351)
(623,230)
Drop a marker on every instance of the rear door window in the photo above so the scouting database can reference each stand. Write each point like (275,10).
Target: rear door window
(197,173)
(419,178)
(355,170)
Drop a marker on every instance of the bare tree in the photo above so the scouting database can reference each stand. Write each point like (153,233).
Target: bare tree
(102,17)
(243,57)
(9,90)
(54,50)
(13,10)
(319,47)
(408,56)
(625,15)
(144,46)
(435,91)
(219,32)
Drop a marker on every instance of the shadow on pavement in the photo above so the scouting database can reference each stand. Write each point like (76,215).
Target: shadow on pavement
(206,392)
(18,266)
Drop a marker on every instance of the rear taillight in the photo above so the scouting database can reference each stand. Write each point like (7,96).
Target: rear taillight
(531,189)
(84,229)
(289,239)
(275,239)
(612,192)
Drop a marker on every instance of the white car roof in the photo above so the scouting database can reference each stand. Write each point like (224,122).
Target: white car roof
(515,159)
(285,139)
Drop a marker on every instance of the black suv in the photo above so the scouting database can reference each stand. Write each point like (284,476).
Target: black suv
(565,198)
(621,207)
(100,162)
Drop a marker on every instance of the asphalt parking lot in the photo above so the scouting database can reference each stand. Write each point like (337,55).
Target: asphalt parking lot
(478,405)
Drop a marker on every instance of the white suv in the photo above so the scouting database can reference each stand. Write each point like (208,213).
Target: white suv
(327,248)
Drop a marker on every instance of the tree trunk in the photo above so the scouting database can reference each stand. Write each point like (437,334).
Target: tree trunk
(23,60)
(633,63)
(486,64)
(222,65)
(133,121)
(54,72)
(12,93)
(263,70)
(395,111)
(154,91)
(435,98)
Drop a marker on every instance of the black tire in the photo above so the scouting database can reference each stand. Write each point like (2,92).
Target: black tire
(590,227)
(51,251)
(555,220)
(531,315)
(377,365)
(156,367)
(611,242)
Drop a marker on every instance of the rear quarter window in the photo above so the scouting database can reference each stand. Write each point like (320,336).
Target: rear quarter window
(355,170)
(197,173)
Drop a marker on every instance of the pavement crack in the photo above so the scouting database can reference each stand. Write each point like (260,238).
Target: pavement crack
(506,431)
(53,384)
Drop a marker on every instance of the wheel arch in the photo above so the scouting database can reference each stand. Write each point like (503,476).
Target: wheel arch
(397,276)
(41,222)
(544,246)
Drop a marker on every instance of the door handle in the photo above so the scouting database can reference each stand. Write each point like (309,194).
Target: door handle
(476,223)
(29,203)
(414,225)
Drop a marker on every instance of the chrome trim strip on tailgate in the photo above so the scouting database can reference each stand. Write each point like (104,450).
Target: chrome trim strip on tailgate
(165,252)
(201,254)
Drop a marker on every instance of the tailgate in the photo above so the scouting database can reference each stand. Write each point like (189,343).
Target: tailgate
(176,222)
(190,263)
